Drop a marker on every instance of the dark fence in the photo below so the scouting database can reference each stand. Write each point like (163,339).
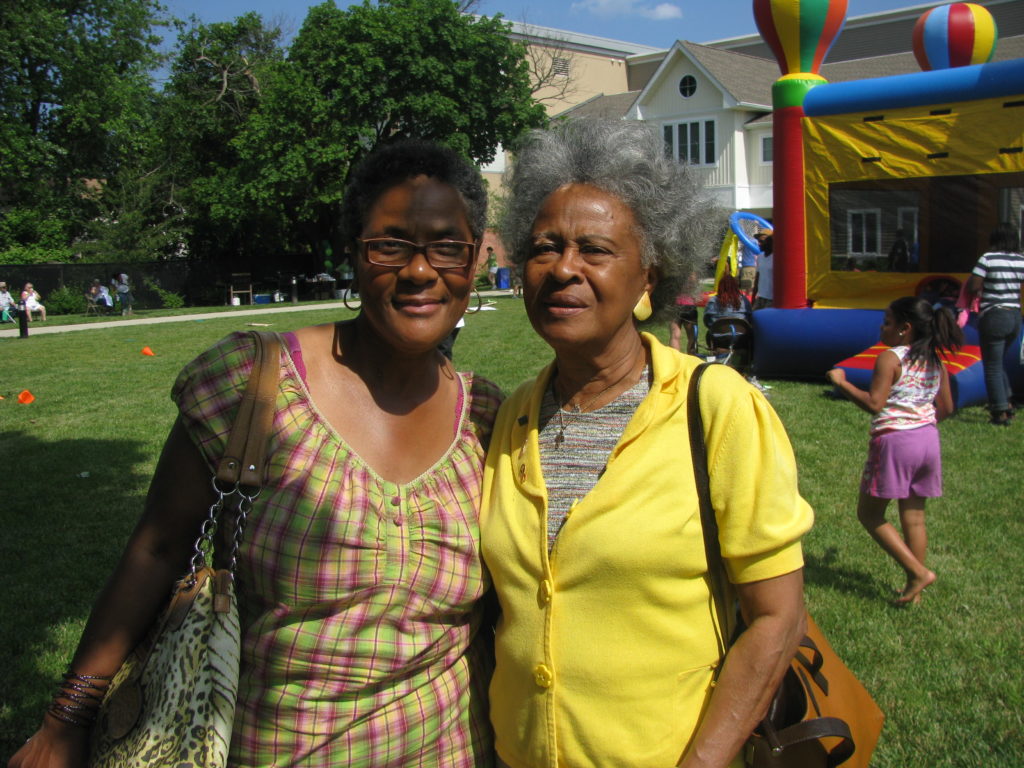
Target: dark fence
(169,275)
(199,283)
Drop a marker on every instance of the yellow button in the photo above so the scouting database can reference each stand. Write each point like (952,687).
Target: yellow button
(543,676)
(546,590)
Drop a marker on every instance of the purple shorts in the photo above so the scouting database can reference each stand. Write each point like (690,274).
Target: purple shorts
(904,463)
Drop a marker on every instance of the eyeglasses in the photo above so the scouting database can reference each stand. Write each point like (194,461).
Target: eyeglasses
(441,254)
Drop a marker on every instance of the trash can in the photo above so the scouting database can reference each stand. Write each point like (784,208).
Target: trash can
(503,281)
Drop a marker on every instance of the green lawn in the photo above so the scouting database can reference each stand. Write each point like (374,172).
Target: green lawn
(949,673)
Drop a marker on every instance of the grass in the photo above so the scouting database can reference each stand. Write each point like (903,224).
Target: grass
(949,673)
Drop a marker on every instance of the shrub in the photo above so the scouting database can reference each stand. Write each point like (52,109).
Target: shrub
(66,300)
(168,299)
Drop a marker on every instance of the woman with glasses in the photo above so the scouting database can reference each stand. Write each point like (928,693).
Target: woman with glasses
(359,577)
(606,648)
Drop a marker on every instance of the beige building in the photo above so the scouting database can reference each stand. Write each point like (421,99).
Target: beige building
(569,68)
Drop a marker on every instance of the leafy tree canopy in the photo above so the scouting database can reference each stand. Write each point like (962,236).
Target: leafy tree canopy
(372,73)
(75,95)
(244,156)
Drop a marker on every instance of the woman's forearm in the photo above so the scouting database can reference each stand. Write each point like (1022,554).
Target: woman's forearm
(752,671)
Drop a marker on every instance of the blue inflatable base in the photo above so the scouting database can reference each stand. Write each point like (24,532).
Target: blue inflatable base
(806,343)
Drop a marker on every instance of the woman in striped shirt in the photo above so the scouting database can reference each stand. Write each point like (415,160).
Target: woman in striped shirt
(997,279)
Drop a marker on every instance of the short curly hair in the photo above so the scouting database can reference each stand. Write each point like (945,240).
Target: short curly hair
(405,159)
(677,221)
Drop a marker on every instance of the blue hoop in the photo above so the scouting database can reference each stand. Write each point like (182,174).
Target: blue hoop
(747,240)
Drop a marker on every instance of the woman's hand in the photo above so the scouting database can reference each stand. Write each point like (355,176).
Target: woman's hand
(54,745)
(836,376)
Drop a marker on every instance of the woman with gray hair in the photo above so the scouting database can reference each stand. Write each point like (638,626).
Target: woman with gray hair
(606,648)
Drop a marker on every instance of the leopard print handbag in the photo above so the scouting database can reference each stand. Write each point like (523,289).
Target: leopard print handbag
(172,703)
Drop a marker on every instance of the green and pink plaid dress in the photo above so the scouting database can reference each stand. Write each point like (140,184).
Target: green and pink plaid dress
(358,597)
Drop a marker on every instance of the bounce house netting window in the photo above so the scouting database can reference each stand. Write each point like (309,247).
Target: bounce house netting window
(936,224)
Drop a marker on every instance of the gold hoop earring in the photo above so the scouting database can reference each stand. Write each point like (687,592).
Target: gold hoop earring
(479,303)
(643,308)
(345,297)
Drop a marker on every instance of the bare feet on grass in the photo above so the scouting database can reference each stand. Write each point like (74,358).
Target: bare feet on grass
(915,586)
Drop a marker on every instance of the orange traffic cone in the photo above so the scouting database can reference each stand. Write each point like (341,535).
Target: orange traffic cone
(148,352)
(25,397)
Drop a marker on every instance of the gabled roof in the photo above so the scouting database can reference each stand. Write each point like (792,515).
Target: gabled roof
(747,80)
(612,107)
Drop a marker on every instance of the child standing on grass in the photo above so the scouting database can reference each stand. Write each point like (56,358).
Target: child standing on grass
(909,394)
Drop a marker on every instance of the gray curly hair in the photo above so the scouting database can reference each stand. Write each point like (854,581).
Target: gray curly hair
(677,222)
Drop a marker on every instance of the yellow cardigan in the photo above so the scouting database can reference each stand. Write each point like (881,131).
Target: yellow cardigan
(605,649)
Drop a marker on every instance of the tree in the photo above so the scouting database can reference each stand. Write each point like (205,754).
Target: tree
(371,73)
(74,87)
(215,87)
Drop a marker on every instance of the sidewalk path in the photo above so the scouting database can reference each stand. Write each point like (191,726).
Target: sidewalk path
(37,329)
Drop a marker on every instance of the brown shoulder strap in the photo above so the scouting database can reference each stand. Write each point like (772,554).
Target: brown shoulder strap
(246,451)
(708,522)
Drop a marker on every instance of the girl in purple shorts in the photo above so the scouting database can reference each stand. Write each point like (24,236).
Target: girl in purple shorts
(909,394)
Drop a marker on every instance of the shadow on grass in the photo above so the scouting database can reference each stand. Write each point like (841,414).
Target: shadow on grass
(62,535)
(824,571)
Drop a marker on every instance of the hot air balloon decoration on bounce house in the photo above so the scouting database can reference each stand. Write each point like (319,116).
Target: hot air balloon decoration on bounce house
(934,159)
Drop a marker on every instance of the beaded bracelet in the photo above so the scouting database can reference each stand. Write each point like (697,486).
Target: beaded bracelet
(78,698)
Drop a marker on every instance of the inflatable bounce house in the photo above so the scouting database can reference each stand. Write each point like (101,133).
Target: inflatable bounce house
(884,187)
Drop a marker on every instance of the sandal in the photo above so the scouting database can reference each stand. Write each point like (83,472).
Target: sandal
(1001,419)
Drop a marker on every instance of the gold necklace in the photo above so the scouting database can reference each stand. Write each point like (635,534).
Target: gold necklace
(578,409)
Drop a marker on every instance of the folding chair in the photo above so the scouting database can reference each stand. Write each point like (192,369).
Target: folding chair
(730,340)
(240,285)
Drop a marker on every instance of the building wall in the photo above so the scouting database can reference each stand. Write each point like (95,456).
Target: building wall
(589,75)
(640,70)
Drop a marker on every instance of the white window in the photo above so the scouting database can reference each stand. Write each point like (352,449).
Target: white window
(767,150)
(691,142)
(560,66)
(863,228)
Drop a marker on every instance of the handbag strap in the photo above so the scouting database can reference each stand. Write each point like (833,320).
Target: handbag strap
(240,470)
(708,523)
(245,454)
